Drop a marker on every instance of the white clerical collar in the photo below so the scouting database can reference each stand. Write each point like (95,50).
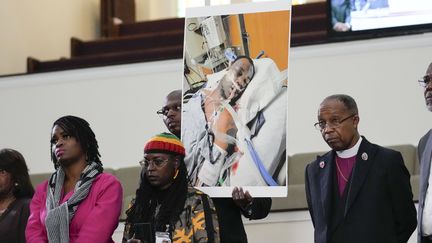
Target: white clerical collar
(351,152)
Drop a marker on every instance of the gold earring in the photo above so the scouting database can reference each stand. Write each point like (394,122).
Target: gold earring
(176,174)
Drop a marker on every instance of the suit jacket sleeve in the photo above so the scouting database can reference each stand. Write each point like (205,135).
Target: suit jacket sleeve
(421,145)
(404,210)
(308,196)
(260,208)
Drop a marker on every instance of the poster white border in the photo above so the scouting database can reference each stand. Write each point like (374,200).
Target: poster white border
(238,8)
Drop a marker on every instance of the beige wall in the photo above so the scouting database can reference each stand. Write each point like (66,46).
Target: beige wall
(120,101)
(381,74)
(151,9)
(43,28)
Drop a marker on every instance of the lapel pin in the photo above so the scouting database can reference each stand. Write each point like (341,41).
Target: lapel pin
(364,156)
(322,164)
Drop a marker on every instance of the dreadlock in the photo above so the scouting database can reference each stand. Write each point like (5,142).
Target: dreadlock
(144,205)
(81,131)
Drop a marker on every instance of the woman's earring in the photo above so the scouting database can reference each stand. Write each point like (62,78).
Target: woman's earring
(16,184)
(176,174)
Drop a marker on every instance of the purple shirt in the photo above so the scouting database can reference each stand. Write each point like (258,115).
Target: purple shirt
(344,167)
(95,219)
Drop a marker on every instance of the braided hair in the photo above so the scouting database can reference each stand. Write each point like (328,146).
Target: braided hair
(81,131)
(144,205)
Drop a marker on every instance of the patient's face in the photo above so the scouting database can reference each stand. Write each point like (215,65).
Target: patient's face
(236,79)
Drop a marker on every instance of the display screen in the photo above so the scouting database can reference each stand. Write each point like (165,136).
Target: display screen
(366,16)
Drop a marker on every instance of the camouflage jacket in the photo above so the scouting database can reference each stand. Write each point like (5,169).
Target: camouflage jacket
(197,222)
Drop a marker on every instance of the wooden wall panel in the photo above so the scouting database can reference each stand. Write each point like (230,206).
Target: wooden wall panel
(269,31)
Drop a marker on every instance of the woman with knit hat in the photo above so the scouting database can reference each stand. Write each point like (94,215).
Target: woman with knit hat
(166,208)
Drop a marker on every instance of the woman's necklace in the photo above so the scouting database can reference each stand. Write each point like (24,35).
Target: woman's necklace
(6,203)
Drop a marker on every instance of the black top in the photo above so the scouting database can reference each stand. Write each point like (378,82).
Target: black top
(14,221)
(229,217)
(337,214)
(379,206)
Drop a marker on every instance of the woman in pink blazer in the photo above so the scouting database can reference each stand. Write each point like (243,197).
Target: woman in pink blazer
(79,203)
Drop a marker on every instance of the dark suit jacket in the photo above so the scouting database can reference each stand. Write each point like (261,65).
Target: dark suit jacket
(424,150)
(231,227)
(379,206)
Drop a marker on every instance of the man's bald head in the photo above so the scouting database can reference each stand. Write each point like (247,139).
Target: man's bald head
(175,94)
(429,70)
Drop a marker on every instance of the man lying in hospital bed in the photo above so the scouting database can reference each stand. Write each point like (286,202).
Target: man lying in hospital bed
(234,129)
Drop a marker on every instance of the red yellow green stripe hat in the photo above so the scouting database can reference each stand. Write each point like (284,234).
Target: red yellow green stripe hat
(165,143)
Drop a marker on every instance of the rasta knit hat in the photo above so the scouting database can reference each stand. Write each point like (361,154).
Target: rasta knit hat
(165,143)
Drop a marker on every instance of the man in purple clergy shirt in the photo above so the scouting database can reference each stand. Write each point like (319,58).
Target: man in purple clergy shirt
(357,192)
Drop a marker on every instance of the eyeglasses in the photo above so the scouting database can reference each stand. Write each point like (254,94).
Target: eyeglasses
(156,162)
(334,123)
(164,111)
(425,80)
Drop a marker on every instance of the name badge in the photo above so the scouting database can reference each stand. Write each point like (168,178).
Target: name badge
(162,237)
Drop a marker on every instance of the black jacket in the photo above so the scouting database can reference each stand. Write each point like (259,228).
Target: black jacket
(229,217)
(379,206)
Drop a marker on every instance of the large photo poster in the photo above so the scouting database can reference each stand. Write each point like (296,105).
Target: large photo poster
(235,97)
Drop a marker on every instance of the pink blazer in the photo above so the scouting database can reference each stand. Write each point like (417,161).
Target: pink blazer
(95,219)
